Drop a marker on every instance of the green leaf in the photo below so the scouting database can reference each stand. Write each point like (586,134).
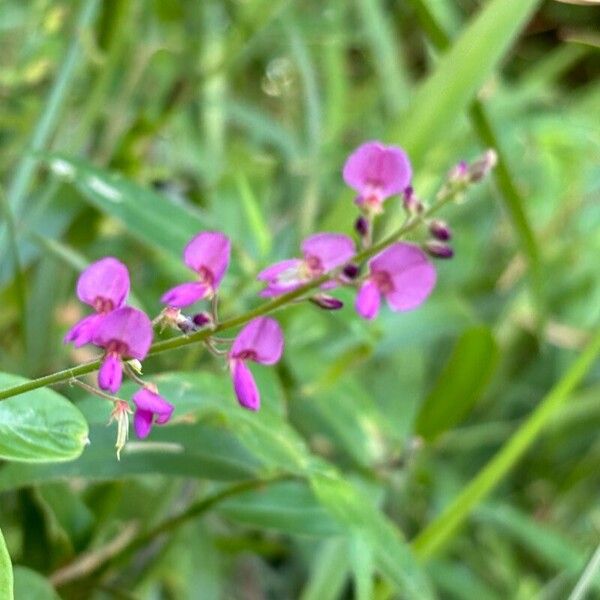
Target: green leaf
(441,529)
(194,450)
(6,572)
(30,585)
(460,384)
(357,512)
(39,426)
(289,507)
(329,571)
(150,217)
(459,74)
(362,564)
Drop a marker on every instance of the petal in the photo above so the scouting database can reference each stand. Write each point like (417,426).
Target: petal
(262,337)
(209,249)
(107,279)
(375,165)
(332,249)
(142,423)
(83,332)
(368,300)
(129,326)
(185,294)
(110,374)
(285,269)
(244,385)
(146,399)
(412,274)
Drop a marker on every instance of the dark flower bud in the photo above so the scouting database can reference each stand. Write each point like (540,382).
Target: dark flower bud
(362,226)
(439,249)
(201,319)
(440,230)
(351,271)
(327,302)
(412,204)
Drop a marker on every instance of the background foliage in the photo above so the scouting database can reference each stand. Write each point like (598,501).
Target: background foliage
(126,127)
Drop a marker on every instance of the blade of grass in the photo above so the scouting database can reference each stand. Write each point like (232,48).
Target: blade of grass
(512,198)
(459,74)
(387,59)
(20,283)
(440,531)
(53,107)
(585,581)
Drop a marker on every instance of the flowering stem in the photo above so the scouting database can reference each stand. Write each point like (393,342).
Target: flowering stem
(262,309)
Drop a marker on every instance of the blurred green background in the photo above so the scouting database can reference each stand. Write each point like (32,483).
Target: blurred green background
(127,126)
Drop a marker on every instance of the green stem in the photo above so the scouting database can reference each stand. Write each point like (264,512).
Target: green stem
(201,336)
(79,571)
(439,531)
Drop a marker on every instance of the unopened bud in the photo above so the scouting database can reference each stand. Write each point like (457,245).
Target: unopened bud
(412,204)
(481,168)
(202,319)
(327,302)
(458,173)
(361,226)
(439,249)
(351,271)
(440,230)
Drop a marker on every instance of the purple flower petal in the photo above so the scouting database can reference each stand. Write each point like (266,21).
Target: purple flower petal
(142,423)
(104,284)
(126,331)
(83,331)
(209,250)
(150,406)
(368,300)
(284,269)
(260,340)
(110,375)
(376,166)
(185,294)
(412,274)
(244,385)
(331,249)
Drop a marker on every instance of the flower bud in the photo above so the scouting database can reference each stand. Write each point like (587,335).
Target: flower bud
(481,168)
(361,226)
(440,230)
(351,271)
(439,249)
(459,172)
(202,319)
(412,204)
(327,302)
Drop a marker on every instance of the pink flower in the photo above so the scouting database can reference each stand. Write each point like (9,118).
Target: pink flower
(150,407)
(402,274)
(208,255)
(104,285)
(123,333)
(377,172)
(322,253)
(261,341)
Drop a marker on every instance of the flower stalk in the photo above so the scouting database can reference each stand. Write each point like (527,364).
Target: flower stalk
(263,309)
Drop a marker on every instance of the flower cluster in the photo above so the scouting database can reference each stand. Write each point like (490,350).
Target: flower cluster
(400,272)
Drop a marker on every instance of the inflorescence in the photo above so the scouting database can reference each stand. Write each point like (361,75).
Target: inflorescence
(402,273)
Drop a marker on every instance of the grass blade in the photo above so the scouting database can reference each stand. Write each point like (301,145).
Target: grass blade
(440,531)
(448,91)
